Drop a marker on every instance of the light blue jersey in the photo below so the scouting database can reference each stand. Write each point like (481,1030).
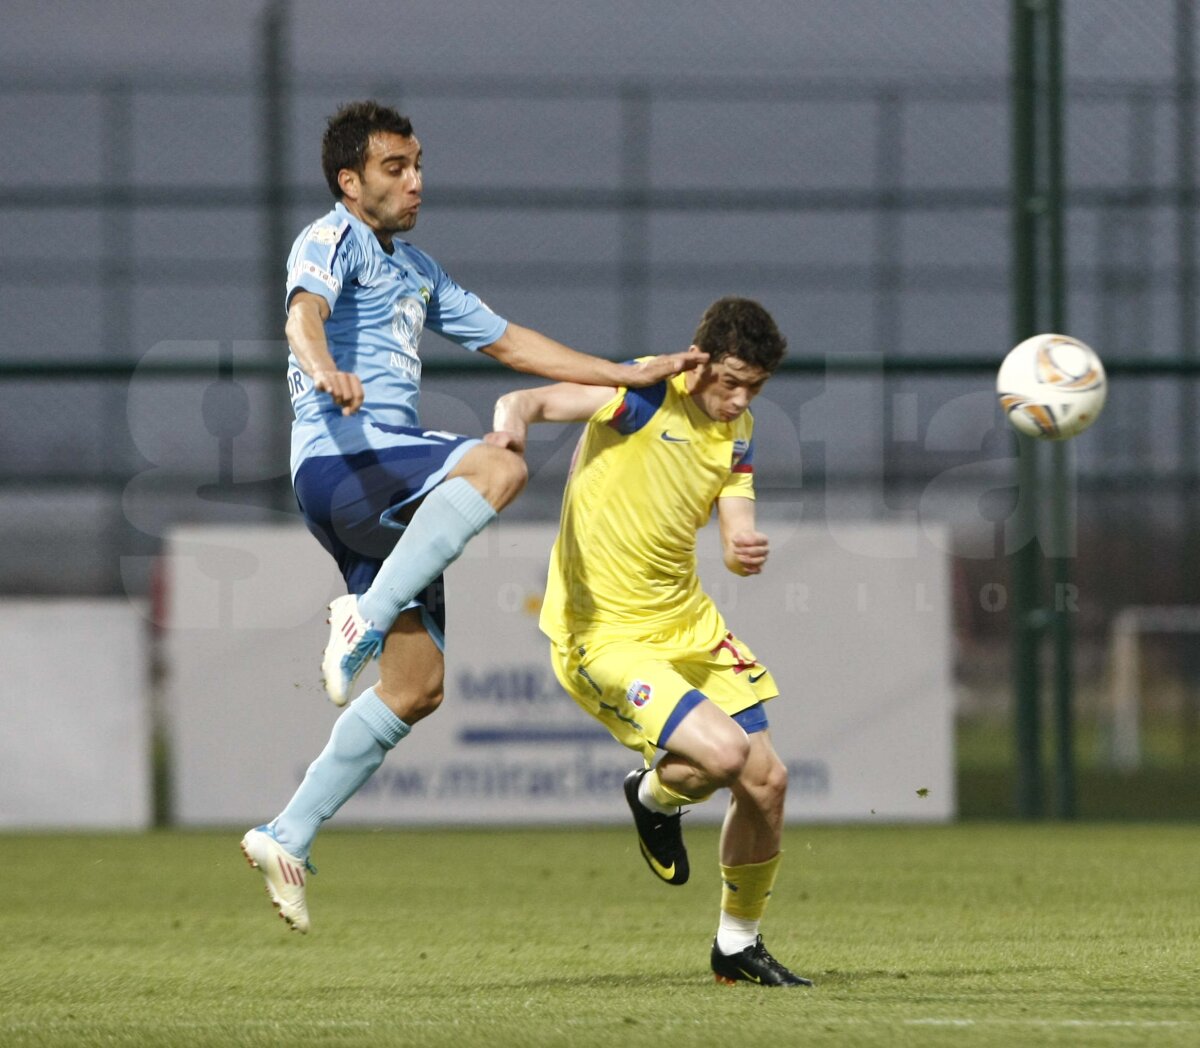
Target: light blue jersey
(379,304)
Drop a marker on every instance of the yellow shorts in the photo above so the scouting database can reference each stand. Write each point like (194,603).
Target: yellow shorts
(641,689)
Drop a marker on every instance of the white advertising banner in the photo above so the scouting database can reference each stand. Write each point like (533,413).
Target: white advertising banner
(853,622)
(74,715)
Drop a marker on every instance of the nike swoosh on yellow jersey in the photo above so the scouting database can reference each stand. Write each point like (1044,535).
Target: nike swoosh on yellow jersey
(754,678)
(665,872)
(666,435)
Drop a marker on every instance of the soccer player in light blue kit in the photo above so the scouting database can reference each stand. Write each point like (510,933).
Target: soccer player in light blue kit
(392,502)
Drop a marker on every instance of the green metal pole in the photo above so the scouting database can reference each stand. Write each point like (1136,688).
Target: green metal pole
(1062,485)
(1185,165)
(273,98)
(1024,561)
(1062,625)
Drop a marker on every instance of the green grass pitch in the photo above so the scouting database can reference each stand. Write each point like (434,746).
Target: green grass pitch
(976,934)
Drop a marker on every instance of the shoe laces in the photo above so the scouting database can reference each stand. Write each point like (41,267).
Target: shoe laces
(669,823)
(365,648)
(760,952)
(269,830)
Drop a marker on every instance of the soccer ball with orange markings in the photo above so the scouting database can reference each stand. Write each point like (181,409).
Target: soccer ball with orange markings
(1051,387)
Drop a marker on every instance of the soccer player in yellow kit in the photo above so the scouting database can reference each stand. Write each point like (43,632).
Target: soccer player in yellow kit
(635,640)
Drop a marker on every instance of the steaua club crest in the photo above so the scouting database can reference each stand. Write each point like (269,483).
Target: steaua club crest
(639,693)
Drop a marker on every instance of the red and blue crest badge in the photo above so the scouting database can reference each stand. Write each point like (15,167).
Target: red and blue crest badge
(639,693)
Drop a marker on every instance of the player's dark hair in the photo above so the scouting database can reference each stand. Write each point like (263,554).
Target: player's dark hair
(348,134)
(740,327)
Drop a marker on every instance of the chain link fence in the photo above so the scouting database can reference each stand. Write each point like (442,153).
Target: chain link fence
(148,218)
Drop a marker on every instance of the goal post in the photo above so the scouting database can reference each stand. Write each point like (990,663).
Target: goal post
(1128,627)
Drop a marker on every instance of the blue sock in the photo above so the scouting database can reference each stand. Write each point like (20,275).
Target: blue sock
(361,738)
(451,515)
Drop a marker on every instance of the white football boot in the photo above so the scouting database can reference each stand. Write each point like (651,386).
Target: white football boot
(284,873)
(353,642)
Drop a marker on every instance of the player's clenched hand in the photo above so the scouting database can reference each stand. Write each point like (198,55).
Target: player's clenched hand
(502,438)
(648,372)
(749,549)
(344,386)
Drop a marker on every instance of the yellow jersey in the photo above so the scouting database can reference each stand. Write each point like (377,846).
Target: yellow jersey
(648,470)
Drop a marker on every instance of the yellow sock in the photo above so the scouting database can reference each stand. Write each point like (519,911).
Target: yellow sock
(746,889)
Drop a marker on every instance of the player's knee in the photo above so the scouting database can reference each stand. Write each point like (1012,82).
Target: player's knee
(728,757)
(775,781)
(765,785)
(514,473)
(499,474)
(426,703)
(410,704)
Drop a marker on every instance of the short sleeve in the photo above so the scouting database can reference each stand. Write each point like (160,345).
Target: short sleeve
(631,409)
(741,470)
(461,315)
(738,486)
(321,261)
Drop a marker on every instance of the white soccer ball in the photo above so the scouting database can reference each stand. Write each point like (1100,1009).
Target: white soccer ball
(1052,387)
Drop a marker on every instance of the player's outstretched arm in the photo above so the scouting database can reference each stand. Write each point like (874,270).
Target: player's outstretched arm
(563,402)
(305,331)
(531,352)
(745,547)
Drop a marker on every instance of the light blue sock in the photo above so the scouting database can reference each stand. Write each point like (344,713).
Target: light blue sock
(451,515)
(361,738)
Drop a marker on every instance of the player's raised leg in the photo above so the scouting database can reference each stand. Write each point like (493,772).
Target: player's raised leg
(705,751)
(480,484)
(750,859)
